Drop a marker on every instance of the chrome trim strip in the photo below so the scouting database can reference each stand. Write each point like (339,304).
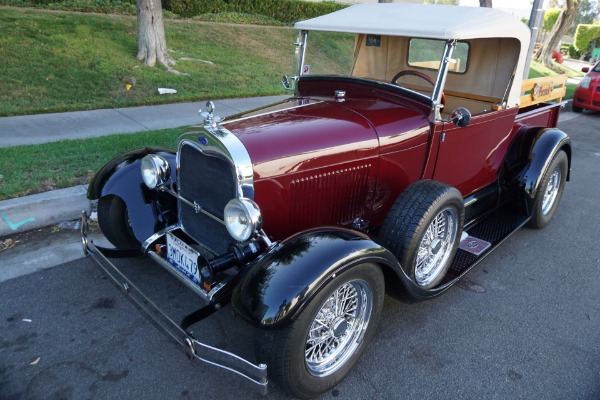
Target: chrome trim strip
(197,207)
(257,374)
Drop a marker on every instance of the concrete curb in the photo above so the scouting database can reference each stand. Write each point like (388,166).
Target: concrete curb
(44,209)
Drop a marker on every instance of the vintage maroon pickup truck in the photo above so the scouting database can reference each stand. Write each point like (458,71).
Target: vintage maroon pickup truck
(396,175)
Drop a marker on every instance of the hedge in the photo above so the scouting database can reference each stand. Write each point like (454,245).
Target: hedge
(550,18)
(287,11)
(584,35)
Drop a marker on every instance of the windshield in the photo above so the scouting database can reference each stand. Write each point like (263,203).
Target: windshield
(329,53)
(380,58)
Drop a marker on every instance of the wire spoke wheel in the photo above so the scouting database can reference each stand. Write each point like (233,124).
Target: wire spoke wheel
(551,191)
(338,328)
(436,246)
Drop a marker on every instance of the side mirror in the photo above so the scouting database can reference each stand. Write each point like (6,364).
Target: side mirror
(289,83)
(461,117)
(585,69)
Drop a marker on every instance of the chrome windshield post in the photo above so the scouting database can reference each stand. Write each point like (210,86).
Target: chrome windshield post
(302,50)
(291,83)
(440,81)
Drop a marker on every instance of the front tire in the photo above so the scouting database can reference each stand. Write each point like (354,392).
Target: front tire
(576,109)
(423,228)
(550,191)
(114,223)
(317,350)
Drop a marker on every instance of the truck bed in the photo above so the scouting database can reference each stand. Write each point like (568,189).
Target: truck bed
(541,114)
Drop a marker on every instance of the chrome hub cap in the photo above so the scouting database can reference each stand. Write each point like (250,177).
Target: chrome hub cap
(338,328)
(551,191)
(436,246)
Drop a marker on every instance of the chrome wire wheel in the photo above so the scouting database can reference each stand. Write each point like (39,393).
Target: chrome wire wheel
(338,328)
(436,246)
(551,191)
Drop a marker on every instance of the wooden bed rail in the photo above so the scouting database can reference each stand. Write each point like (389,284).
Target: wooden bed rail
(543,89)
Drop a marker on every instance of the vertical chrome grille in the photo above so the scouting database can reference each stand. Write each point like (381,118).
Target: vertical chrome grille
(209,181)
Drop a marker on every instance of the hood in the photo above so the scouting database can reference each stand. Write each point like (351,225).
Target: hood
(302,134)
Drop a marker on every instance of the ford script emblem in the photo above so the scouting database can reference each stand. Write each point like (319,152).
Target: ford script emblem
(203,140)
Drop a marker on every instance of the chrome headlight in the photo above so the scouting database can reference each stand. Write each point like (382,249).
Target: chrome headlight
(155,170)
(585,82)
(242,218)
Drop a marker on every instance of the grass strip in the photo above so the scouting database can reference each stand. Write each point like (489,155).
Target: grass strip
(56,61)
(38,168)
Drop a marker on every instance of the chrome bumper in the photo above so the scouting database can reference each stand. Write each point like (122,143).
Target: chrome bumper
(257,374)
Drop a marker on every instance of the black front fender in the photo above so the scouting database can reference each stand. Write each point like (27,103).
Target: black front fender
(122,177)
(280,284)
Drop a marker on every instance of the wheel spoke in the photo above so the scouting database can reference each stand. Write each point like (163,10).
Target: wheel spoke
(436,246)
(337,329)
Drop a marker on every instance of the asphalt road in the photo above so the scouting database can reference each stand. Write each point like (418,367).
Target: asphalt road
(524,324)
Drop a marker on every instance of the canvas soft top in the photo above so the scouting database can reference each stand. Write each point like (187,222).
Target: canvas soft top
(441,22)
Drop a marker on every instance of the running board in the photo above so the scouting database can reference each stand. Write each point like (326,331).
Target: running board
(493,230)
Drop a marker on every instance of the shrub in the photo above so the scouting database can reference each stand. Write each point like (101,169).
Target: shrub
(550,18)
(573,53)
(584,36)
(287,11)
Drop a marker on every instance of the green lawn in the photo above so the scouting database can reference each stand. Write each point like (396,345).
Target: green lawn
(42,167)
(59,61)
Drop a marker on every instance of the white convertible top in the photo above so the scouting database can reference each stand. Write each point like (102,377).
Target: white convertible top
(421,20)
(440,22)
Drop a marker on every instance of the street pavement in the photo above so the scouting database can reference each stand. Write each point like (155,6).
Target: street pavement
(524,324)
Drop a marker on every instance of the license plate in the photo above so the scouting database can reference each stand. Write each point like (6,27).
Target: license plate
(183,257)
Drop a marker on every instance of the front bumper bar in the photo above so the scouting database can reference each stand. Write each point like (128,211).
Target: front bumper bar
(257,374)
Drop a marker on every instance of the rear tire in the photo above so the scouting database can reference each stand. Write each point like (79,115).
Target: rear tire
(114,223)
(318,349)
(550,191)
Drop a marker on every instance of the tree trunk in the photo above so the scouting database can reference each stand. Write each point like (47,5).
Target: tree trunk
(485,3)
(562,25)
(152,44)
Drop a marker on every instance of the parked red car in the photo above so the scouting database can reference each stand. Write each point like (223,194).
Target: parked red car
(587,94)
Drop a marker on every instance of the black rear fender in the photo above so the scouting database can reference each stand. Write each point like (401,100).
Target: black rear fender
(532,152)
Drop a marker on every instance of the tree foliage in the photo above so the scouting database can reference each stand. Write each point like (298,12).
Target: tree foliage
(562,25)
(587,12)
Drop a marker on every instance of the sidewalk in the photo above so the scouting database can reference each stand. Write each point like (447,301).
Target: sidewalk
(42,128)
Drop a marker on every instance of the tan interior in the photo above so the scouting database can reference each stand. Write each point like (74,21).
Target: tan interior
(489,68)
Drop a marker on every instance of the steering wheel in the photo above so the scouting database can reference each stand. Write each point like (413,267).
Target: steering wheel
(418,74)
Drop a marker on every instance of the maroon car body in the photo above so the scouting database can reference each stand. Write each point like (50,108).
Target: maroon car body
(587,93)
(303,213)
